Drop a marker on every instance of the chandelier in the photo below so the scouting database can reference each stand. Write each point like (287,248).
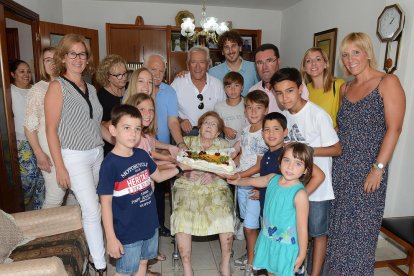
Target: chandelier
(210,28)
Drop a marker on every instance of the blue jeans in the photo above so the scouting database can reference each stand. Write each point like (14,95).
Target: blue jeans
(134,252)
(318,218)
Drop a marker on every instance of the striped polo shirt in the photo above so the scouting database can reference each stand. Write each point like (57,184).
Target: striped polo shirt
(79,127)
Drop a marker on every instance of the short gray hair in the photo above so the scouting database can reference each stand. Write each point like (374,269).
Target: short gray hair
(146,61)
(199,49)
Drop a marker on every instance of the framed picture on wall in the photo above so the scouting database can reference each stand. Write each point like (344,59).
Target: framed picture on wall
(326,40)
(247,43)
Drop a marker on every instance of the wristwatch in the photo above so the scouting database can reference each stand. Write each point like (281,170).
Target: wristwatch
(378,166)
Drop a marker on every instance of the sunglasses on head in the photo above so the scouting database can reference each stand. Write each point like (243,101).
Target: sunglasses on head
(201,98)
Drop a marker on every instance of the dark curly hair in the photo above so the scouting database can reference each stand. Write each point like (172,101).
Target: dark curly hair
(231,36)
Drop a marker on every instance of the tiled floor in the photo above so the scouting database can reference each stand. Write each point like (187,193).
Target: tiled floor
(206,257)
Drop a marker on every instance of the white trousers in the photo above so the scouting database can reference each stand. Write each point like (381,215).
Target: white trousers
(83,168)
(54,194)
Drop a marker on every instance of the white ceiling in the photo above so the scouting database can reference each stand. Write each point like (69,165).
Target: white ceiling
(252,4)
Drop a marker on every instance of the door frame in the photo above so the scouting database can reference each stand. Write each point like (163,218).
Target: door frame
(11,195)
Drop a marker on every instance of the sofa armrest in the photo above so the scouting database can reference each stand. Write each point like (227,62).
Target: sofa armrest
(45,266)
(48,222)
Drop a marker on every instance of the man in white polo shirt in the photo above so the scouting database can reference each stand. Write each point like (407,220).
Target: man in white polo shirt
(197,91)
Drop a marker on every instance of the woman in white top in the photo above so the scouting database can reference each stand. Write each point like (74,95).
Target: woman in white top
(31,178)
(34,128)
(73,117)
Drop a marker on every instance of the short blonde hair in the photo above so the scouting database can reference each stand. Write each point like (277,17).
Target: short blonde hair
(132,86)
(362,41)
(43,74)
(64,46)
(102,72)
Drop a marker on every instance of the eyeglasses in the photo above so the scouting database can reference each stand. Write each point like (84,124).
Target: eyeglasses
(81,55)
(266,61)
(119,76)
(201,98)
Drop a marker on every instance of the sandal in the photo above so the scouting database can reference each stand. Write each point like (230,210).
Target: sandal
(99,271)
(161,257)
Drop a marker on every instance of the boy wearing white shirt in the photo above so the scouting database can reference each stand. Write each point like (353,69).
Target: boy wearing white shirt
(310,124)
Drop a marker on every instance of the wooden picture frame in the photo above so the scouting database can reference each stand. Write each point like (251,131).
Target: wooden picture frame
(326,40)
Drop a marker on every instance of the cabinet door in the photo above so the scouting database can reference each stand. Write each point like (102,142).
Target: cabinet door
(152,42)
(124,42)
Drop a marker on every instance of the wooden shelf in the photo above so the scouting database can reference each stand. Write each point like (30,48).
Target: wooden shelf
(136,42)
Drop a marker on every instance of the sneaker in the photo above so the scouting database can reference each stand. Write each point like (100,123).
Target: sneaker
(239,235)
(250,271)
(301,271)
(241,262)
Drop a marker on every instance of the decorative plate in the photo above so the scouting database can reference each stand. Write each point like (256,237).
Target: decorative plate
(182,14)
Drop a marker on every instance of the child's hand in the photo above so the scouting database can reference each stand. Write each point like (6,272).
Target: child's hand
(115,248)
(298,263)
(173,151)
(229,133)
(254,194)
(231,179)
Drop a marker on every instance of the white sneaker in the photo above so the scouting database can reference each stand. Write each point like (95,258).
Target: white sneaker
(241,262)
(239,235)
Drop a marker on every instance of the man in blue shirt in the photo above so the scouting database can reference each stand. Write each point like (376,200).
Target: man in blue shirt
(166,107)
(230,43)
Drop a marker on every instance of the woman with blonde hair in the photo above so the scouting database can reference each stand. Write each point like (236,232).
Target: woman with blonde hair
(141,81)
(322,85)
(369,124)
(35,130)
(73,117)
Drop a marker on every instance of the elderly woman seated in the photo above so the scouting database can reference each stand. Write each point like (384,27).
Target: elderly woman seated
(203,202)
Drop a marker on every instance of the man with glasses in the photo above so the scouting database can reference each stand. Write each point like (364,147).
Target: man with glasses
(267,64)
(197,91)
(230,43)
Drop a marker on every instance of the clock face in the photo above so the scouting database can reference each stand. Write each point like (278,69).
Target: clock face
(389,23)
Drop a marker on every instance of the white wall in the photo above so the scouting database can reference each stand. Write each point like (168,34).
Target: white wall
(94,14)
(400,185)
(48,10)
(307,17)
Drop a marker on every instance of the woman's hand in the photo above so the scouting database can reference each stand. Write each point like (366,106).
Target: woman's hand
(229,133)
(43,161)
(115,248)
(62,177)
(373,180)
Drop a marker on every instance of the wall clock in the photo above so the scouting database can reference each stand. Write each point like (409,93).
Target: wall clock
(390,25)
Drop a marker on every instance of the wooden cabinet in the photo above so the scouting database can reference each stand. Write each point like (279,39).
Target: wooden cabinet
(136,42)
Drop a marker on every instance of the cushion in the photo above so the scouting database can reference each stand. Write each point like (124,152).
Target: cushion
(70,247)
(10,235)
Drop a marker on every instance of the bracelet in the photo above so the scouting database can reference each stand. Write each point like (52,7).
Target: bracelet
(182,142)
